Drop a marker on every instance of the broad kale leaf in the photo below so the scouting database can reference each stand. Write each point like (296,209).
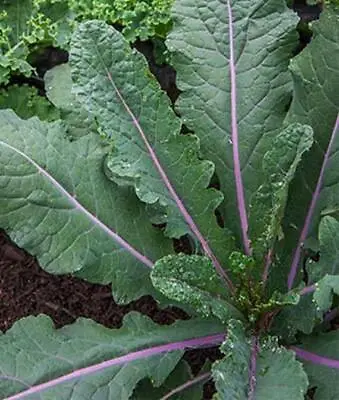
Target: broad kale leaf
(51,353)
(328,248)
(267,206)
(75,119)
(181,375)
(149,154)
(232,61)
(57,203)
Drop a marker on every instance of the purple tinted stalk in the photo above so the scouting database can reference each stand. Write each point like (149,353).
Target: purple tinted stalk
(211,340)
(304,231)
(315,358)
(268,261)
(188,384)
(252,380)
(75,203)
(235,140)
(307,289)
(178,201)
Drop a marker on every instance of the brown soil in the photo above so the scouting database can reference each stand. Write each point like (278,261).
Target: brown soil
(25,289)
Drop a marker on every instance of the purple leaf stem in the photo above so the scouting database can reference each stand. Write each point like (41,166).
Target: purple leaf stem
(235,140)
(315,358)
(211,340)
(75,203)
(304,231)
(268,261)
(178,201)
(307,289)
(252,380)
(200,378)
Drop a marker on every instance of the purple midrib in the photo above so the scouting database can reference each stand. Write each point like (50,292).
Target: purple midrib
(78,206)
(315,358)
(308,219)
(253,368)
(235,140)
(187,217)
(211,340)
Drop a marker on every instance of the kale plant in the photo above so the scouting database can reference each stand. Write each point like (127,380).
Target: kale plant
(140,19)
(263,282)
(29,26)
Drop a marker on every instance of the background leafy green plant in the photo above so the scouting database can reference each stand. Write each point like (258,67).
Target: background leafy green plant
(26,26)
(30,25)
(140,19)
(26,102)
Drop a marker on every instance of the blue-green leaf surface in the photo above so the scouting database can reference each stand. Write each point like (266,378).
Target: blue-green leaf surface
(114,84)
(325,289)
(328,237)
(33,352)
(58,86)
(193,280)
(323,377)
(315,73)
(56,202)
(231,59)
(268,203)
(257,369)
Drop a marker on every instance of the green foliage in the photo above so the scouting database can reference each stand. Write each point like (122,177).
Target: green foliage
(88,249)
(29,25)
(84,343)
(140,19)
(26,103)
(129,163)
(275,367)
(321,377)
(181,374)
(278,368)
(193,280)
(328,238)
(26,25)
(264,91)
(315,103)
(325,289)
(302,317)
(231,373)
(76,120)
(279,166)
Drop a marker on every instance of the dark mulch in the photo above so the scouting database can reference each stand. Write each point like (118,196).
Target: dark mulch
(28,290)
(25,289)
